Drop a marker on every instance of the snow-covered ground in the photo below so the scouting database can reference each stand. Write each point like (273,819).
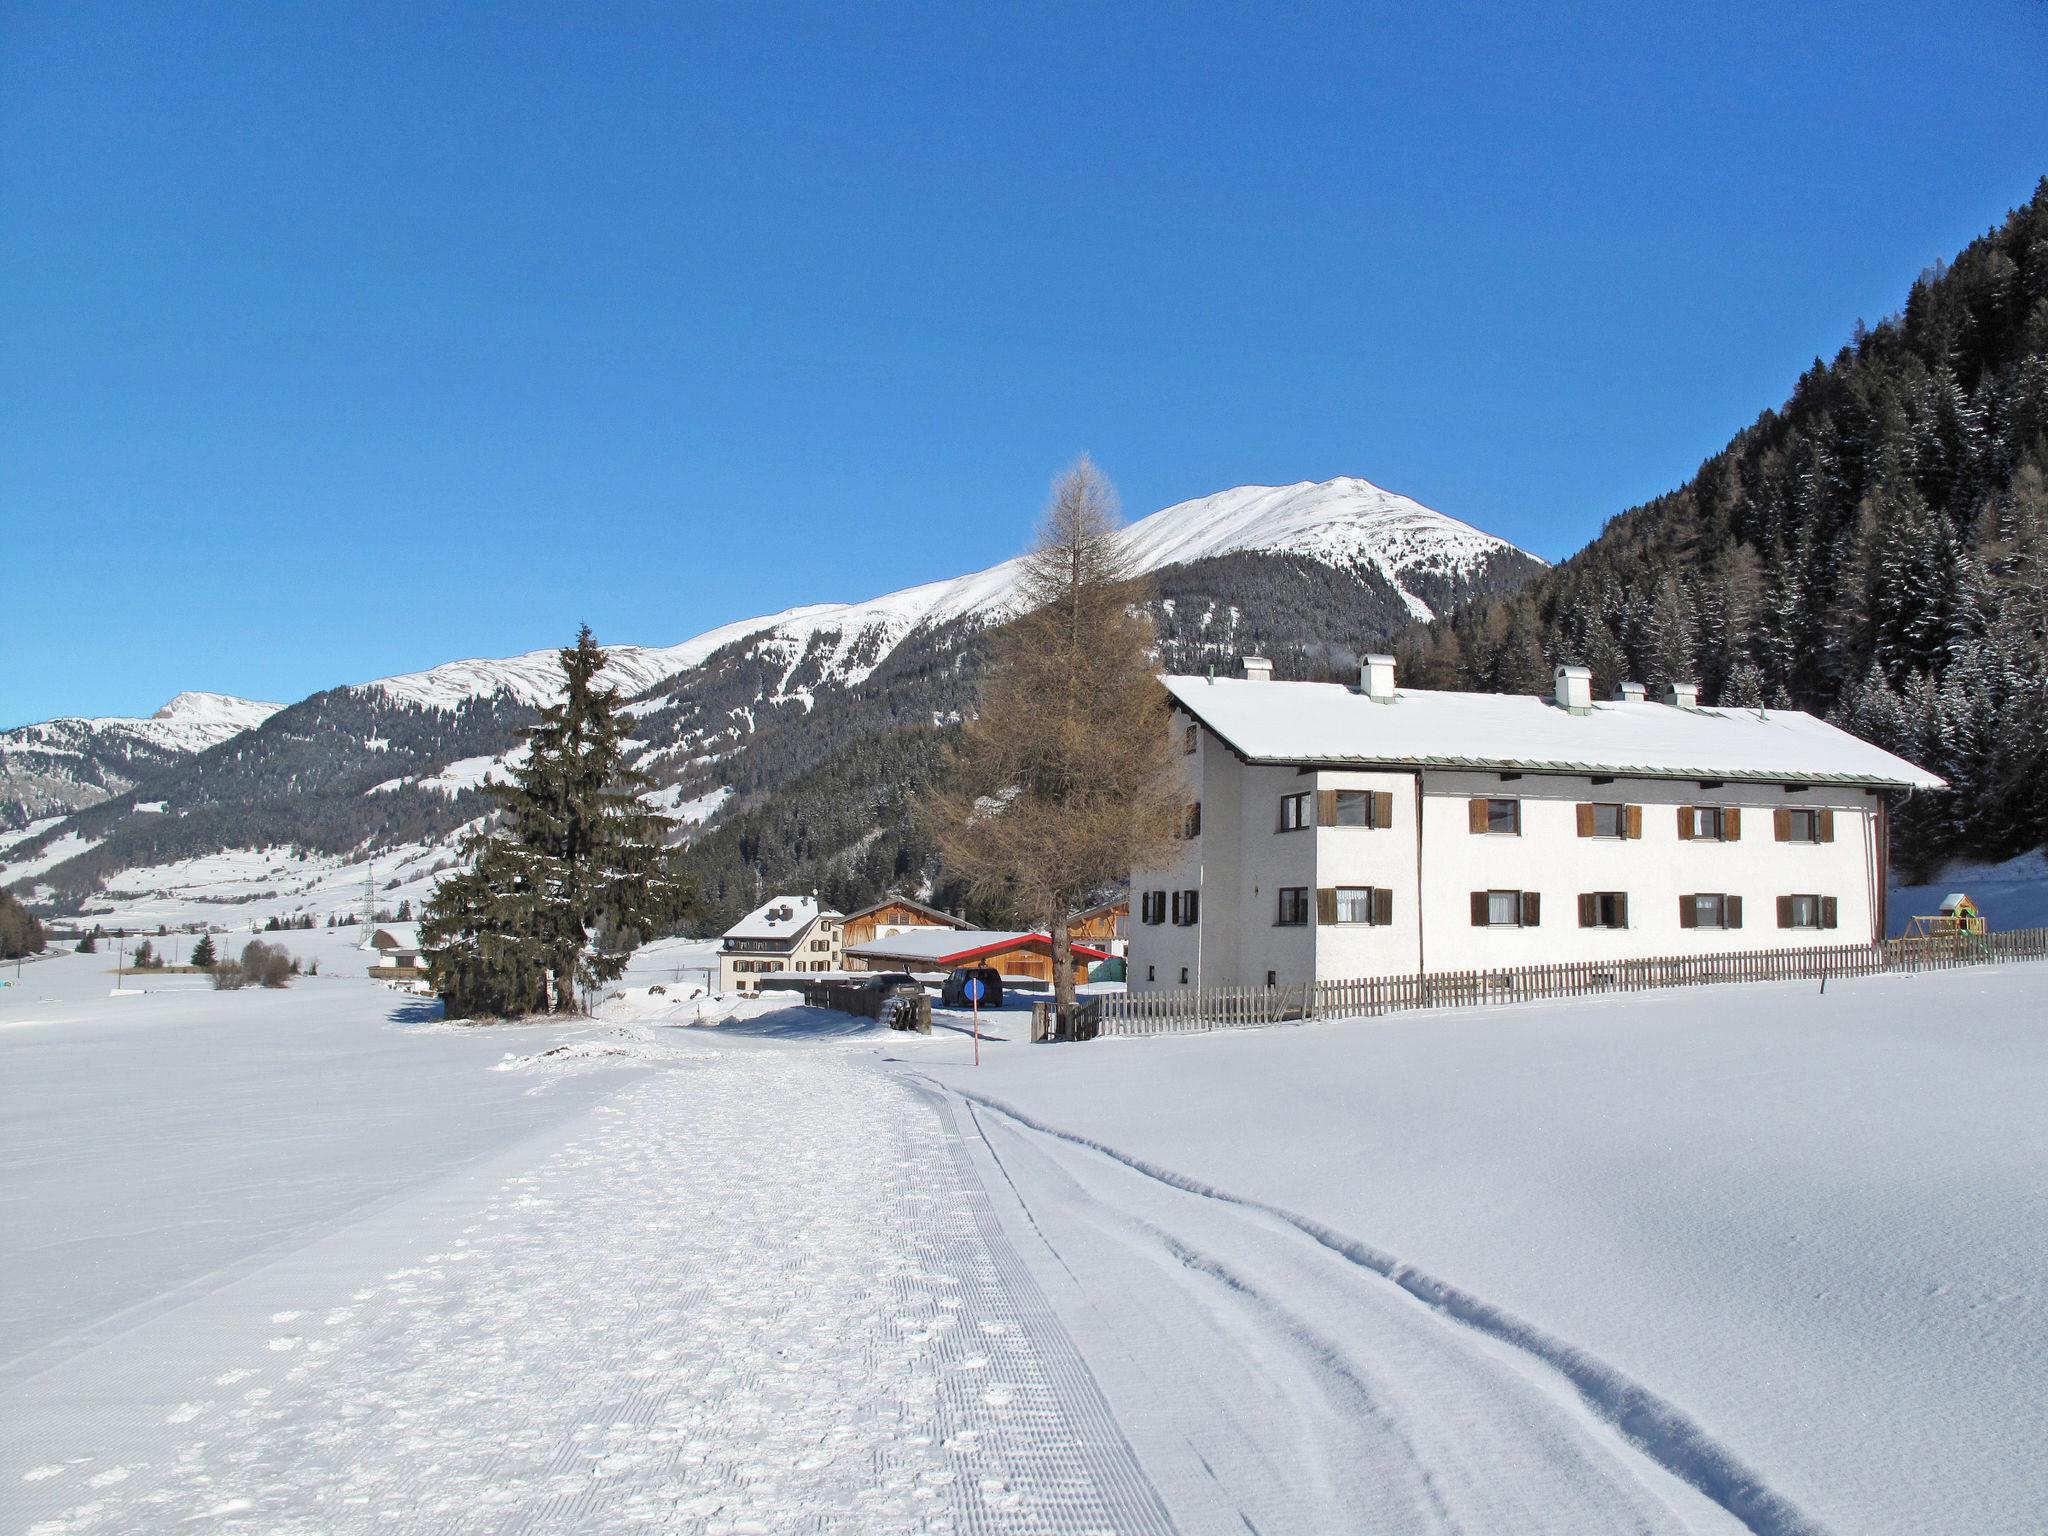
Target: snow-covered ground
(1733,1259)
(1793,1245)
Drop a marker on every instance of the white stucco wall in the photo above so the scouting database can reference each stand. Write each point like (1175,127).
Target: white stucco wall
(1550,857)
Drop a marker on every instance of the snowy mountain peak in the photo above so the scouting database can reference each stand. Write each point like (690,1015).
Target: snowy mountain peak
(216,709)
(1347,522)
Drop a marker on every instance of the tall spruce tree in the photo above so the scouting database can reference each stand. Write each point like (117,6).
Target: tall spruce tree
(573,876)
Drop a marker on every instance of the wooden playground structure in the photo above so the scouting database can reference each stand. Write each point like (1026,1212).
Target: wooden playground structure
(1957,928)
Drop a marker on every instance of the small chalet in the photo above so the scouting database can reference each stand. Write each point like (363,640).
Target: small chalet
(1027,956)
(1106,926)
(396,947)
(790,933)
(893,915)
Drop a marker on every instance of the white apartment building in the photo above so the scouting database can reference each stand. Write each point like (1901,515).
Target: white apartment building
(1337,832)
(790,933)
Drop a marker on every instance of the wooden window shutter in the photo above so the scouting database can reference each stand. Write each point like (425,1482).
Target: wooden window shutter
(1688,913)
(1326,807)
(1176,906)
(1479,898)
(1784,904)
(1731,824)
(1830,911)
(1685,823)
(1532,910)
(1781,828)
(1621,909)
(1382,906)
(1824,829)
(1383,808)
(1326,904)
(1477,817)
(1632,821)
(1589,910)
(1585,821)
(1732,907)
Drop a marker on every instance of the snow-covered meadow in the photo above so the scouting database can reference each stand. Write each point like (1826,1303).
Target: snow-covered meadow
(1730,1259)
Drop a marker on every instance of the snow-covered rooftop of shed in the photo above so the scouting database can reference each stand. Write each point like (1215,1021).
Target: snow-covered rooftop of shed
(1330,723)
(782,918)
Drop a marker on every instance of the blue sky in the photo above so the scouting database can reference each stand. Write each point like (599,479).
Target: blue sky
(337,341)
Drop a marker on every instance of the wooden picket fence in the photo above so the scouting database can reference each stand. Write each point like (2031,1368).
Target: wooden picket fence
(1192,1010)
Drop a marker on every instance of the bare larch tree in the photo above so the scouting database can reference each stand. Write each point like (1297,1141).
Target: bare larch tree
(1063,778)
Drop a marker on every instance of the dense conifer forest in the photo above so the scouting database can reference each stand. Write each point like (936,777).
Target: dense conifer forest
(1876,551)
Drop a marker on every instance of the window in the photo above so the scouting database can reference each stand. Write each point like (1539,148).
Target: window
(1507,909)
(1187,908)
(1617,821)
(1709,823)
(1603,909)
(1805,826)
(1183,975)
(1354,808)
(1152,907)
(1355,904)
(1151,973)
(1187,740)
(1709,910)
(1500,818)
(1191,820)
(1807,911)
(1272,979)
(1294,812)
(1293,911)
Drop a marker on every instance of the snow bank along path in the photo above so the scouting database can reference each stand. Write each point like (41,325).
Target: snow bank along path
(760,1291)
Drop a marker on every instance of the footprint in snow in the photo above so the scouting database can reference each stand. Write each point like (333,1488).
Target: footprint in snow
(229,1378)
(184,1413)
(286,1317)
(108,1478)
(37,1474)
(284,1346)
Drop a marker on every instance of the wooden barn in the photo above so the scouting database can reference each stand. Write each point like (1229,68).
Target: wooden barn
(893,915)
(1025,956)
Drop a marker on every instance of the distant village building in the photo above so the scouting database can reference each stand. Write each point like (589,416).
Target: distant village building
(1011,953)
(1335,832)
(396,951)
(1106,926)
(893,915)
(788,934)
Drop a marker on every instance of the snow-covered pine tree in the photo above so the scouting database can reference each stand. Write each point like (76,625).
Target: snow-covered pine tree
(576,872)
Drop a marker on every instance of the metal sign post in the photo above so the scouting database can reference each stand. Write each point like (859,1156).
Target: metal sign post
(974,989)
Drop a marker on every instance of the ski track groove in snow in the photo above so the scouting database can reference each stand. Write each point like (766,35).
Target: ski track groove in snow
(1659,1429)
(763,1292)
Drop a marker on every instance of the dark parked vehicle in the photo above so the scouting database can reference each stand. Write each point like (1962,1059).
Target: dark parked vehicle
(954,993)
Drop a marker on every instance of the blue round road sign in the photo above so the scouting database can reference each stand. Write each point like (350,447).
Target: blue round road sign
(975,989)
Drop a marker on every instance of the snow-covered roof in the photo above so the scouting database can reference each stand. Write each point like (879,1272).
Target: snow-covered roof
(402,936)
(782,918)
(1270,722)
(946,946)
(933,915)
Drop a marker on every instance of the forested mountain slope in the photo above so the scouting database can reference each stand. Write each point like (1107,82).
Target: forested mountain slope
(1876,550)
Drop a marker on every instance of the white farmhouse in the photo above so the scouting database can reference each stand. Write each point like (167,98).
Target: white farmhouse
(790,933)
(1336,832)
